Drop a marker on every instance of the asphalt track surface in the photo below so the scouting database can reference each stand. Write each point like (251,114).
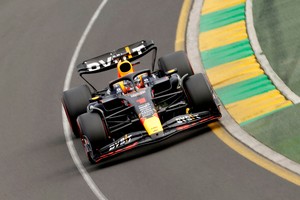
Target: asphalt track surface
(37,40)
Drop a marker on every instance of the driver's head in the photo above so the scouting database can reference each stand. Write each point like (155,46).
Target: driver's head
(124,68)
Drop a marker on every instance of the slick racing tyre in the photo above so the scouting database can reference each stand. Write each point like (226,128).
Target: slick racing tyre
(93,133)
(199,94)
(178,60)
(75,102)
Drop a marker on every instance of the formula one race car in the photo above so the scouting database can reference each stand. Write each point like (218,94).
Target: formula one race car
(139,107)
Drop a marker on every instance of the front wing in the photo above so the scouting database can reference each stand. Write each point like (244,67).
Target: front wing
(141,138)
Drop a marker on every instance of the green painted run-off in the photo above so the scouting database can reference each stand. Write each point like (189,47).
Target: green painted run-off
(279,131)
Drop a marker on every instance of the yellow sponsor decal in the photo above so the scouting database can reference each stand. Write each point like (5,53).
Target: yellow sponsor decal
(127,49)
(95,98)
(171,71)
(187,110)
(121,83)
(153,125)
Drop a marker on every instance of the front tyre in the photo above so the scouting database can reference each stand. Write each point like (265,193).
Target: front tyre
(199,94)
(178,60)
(75,102)
(94,134)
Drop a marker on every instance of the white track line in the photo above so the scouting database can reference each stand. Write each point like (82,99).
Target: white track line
(192,37)
(66,127)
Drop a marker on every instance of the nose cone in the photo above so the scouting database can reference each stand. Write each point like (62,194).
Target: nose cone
(152,125)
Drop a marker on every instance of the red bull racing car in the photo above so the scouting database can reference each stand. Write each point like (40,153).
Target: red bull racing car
(139,107)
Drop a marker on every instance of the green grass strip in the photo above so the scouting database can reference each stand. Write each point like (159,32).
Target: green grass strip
(222,17)
(245,89)
(221,55)
(279,131)
(262,116)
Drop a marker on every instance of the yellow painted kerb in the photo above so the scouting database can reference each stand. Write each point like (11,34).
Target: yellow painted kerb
(218,130)
(257,106)
(215,5)
(181,27)
(234,72)
(223,36)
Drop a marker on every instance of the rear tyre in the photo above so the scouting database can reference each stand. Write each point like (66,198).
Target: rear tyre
(177,60)
(75,102)
(199,94)
(93,132)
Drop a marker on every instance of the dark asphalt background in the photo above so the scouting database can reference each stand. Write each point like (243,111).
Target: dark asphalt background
(37,40)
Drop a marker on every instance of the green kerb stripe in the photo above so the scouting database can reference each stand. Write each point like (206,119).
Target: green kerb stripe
(225,54)
(245,89)
(222,17)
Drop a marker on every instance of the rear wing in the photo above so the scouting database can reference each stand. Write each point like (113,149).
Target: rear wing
(110,60)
